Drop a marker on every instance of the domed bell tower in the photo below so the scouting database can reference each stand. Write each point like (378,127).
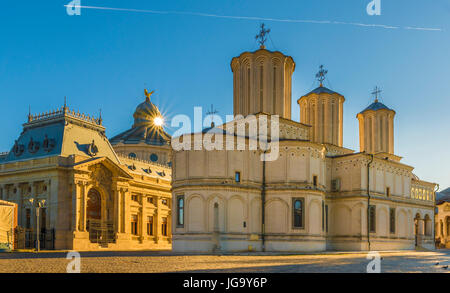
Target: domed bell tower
(322,108)
(376,127)
(262,81)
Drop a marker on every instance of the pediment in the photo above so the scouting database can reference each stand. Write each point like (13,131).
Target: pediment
(104,167)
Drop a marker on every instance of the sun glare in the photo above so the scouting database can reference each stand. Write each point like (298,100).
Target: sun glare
(159,121)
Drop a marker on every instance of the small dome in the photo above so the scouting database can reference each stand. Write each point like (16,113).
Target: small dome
(375,106)
(144,128)
(321,90)
(145,113)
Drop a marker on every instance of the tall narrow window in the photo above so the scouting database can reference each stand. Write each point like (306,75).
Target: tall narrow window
(326,218)
(150,225)
(298,212)
(134,224)
(372,219)
(369,135)
(248,91)
(164,226)
(315,180)
(261,87)
(388,191)
(274,102)
(392,220)
(323,122)
(216,217)
(28,218)
(237,177)
(380,139)
(333,124)
(43,219)
(323,215)
(180,211)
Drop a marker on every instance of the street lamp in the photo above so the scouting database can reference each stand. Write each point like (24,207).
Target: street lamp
(40,204)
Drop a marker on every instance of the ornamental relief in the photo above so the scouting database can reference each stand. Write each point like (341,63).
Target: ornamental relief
(102,176)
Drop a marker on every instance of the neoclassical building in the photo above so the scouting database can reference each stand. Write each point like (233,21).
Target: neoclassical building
(442,219)
(90,195)
(316,195)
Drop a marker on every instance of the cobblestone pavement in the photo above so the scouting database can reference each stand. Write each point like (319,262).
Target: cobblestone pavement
(160,261)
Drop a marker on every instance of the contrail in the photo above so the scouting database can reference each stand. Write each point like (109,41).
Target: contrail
(256,18)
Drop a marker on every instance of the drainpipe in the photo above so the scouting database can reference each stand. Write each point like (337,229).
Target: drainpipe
(368,199)
(263,204)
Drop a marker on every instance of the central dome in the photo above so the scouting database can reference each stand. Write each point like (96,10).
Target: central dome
(148,126)
(145,113)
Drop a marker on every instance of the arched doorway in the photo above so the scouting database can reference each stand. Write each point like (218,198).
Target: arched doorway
(427,225)
(417,230)
(94,215)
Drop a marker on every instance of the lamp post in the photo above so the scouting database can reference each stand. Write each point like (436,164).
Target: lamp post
(40,204)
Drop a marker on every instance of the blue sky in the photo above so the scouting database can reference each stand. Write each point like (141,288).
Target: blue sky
(104,59)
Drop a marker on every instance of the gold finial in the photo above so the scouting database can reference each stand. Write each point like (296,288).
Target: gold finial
(148,95)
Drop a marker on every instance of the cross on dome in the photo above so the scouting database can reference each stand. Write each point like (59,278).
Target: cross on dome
(321,74)
(376,93)
(262,36)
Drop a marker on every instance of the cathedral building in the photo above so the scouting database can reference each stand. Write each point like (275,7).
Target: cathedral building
(316,195)
(64,172)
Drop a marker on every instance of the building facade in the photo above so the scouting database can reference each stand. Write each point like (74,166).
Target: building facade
(316,195)
(89,196)
(442,219)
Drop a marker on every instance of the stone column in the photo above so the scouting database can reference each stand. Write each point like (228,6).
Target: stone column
(127,215)
(143,217)
(157,219)
(21,205)
(169,225)
(83,208)
(75,205)
(421,224)
(117,210)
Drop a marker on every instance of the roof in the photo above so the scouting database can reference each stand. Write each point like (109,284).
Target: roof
(321,90)
(375,106)
(61,133)
(443,196)
(148,135)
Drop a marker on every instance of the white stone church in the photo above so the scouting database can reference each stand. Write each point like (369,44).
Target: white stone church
(317,195)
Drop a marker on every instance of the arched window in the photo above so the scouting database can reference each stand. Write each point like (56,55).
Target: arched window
(132,155)
(298,212)
(180,211)
(427,225)
(216,217)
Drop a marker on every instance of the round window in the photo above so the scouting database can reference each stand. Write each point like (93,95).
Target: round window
(132,155)
(153,157)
